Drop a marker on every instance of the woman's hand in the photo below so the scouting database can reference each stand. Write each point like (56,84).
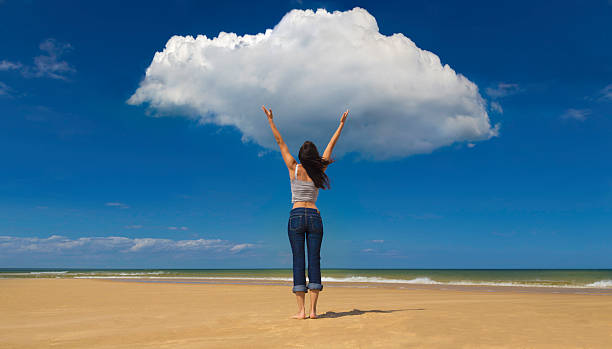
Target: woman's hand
(289,160)
(332,143)
(342,119)
(268,113)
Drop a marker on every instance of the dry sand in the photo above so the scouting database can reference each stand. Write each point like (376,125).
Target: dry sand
(85,313)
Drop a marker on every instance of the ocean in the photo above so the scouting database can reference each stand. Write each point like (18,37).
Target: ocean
(562,278)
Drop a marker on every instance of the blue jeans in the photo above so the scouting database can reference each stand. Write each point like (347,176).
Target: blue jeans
(305,224)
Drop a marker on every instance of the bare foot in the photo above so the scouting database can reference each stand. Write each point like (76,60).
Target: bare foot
(313,315)
(299,315)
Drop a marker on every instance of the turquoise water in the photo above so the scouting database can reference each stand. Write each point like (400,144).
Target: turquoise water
(588,278)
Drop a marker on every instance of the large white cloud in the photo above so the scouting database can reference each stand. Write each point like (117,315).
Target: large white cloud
(309,69)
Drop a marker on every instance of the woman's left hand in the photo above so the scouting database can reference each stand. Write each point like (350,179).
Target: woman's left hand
(268,113)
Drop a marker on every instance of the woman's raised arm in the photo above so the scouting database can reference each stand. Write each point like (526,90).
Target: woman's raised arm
(289,160)
(334,139)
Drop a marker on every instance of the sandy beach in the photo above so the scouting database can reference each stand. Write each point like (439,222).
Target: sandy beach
(86,313)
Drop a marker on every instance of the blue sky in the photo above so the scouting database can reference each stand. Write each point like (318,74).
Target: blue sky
(80,164)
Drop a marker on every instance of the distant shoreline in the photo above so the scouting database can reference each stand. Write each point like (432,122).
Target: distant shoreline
(343,284)
(557,279)
(465,288)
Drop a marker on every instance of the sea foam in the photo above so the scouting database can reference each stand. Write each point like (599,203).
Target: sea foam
(366,279)
(601,284)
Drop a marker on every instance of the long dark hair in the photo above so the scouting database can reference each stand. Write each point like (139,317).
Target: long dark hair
(314,164)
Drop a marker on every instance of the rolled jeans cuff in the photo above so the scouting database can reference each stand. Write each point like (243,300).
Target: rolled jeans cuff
(315,286)
(300,288)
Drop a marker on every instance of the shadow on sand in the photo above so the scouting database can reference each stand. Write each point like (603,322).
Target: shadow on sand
(333,314)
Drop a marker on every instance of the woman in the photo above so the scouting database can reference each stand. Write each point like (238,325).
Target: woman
(304,219)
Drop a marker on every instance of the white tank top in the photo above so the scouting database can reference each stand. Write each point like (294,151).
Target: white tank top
(303,190)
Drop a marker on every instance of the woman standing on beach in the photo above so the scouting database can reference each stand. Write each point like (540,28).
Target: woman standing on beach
(305,222)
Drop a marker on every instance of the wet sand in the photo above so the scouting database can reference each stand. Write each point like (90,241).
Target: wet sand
(104,313)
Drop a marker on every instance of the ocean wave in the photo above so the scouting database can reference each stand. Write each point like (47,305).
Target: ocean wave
(82,274)
(357,279)
(103,274)
(47,272)
(271,278)
(428,281)
(601,284)
(421,280)
(372,280)
(379,280)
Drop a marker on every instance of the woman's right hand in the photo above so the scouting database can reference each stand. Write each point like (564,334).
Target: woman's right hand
(268,113)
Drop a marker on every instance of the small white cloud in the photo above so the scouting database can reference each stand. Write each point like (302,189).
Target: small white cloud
(47,64)
(6,65)
(240,247)
(148,243)
(309,68)
(4,89)
(471,145)
(178,228)
(134,226)
(117,204)
(367,250)
(495,106)
(606,92)
(378,241)
(576,114)
(502,90)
